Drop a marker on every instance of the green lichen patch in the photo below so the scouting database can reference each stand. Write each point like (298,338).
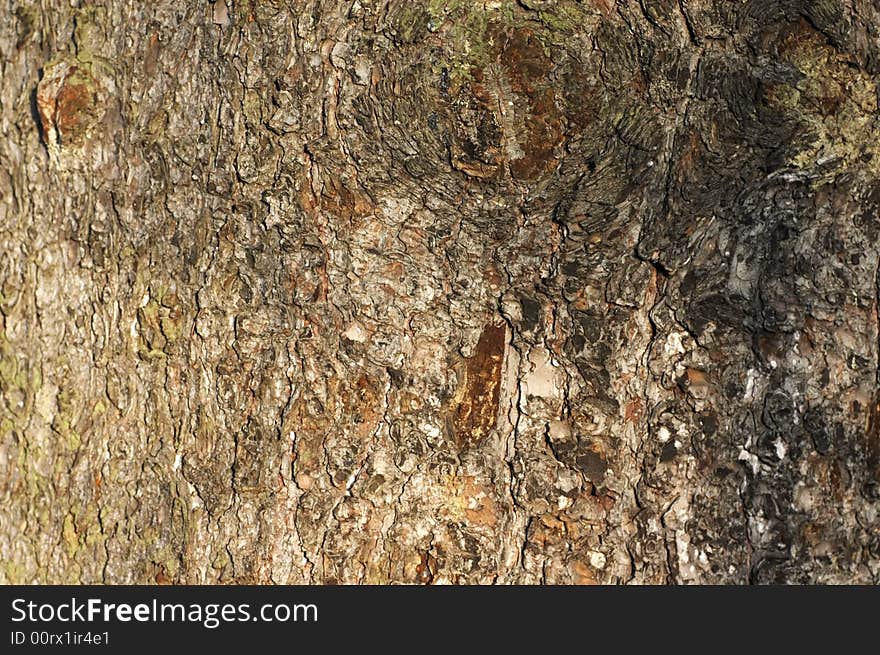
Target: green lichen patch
(69,535)
(835,102)
(161,323)
(18,382)
(472,29)
(90,35)
(64,423)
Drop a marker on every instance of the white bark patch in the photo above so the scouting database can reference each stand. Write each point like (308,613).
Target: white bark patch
(750,459)
(781,450)
(673,345)
(543,379)
(355,332)
(597,559)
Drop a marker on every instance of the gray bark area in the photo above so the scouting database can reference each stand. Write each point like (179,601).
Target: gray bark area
(439,292)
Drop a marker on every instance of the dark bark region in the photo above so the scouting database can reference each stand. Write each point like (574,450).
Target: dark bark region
(439,292)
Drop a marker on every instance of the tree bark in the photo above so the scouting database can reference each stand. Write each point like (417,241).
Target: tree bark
(439,292)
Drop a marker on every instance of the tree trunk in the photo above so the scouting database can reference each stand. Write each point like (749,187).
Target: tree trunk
(371,291)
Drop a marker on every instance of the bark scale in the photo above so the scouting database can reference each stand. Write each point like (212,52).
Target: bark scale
(388,291)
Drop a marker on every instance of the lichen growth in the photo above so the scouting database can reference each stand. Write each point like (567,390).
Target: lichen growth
(69,535)
(66,419)
(467,25)
(835,102)
(562,19)
(471,28)
(19,383)
(90,39)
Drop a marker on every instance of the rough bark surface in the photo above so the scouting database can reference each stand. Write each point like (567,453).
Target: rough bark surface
(464,292)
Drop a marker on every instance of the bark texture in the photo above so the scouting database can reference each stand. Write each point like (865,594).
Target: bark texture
(468,292)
